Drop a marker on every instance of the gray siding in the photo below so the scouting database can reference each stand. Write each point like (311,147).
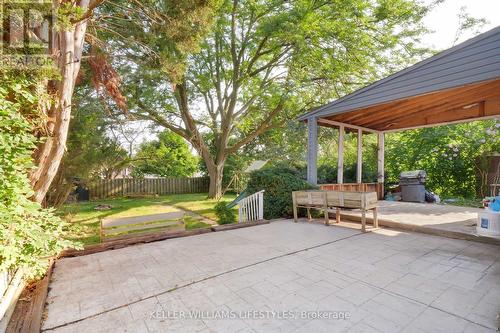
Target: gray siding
(475,60)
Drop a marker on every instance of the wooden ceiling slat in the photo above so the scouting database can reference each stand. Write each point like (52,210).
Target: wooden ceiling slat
(442,117)
(457,102)
(415,103)
(417,109)
(444,106)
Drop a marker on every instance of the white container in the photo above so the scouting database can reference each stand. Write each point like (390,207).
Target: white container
(488,223)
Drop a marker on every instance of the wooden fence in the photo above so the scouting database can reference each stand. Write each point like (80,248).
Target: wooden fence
(104,188)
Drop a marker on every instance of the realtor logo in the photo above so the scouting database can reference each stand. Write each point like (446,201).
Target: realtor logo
(26,32)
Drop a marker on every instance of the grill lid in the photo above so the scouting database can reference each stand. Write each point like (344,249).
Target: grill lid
(413,174)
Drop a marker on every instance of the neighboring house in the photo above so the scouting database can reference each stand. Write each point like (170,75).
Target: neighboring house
(123,173)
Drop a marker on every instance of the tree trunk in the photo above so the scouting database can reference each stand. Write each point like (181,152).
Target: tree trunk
(215,173)
(49,154)
(60,189)
(60,195)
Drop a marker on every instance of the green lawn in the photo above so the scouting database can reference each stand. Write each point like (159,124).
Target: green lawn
(85,220)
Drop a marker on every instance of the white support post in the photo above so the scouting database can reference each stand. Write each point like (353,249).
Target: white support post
(359,165)
(380,159)
(312,151)
(340,165)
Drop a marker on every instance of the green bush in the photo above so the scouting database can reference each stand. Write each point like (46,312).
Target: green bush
(279,183)
(225,215)
(28,233)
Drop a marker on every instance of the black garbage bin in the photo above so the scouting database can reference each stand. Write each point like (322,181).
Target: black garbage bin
(82,193)
(413,185)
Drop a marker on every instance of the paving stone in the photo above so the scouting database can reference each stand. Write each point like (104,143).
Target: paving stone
(461,277)
(436,321)
(318,290)
(382,324)
(386,280)
(381,313)
(474,328)
(457,301)
(412,293)
(401,304)
(357,293)
(325,326)
(362,328)
(486,312)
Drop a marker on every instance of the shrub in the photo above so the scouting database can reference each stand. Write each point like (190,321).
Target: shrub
(278,183)
(28,233)
(225,215)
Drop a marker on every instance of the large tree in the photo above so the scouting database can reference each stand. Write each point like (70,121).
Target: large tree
(68,41)
(262,63)
(69,36)
(91,152)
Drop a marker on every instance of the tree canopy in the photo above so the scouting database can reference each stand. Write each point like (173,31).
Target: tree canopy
(261,63)
(91,151)
(455,156)
(168,156)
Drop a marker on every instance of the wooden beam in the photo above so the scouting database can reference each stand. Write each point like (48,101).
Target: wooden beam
(312,151)
(435,117)
(458,100)
(376,112)
(338,124)
(492,107)
(359,165)
(441,123)
(427,117)
(340,165)
(380,159)
(481,109)
(374,117)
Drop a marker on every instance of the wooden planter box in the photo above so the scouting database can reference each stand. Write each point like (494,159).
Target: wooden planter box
(325,200)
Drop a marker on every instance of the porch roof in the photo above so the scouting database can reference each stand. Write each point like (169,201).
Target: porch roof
(458,84)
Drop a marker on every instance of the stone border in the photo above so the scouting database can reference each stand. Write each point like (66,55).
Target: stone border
(426,230)
(232,226)
(155,237)
(118,244)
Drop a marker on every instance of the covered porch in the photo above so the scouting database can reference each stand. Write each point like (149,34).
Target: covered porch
(460,84)
(433,219)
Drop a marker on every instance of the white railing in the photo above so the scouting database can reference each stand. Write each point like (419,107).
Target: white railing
(5,277)
(11,285)
(251,208)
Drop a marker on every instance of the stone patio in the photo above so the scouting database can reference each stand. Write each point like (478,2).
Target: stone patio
(384,281)
(437,219)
